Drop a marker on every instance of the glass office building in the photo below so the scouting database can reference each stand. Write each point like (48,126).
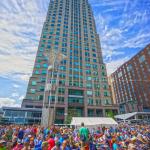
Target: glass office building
(82,79)
(22,116)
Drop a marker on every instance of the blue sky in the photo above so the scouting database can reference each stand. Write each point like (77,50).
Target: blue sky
(123,25)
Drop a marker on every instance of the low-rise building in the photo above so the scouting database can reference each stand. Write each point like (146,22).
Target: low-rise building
(14,115)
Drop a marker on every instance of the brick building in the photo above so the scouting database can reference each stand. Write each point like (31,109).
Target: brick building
(130,83)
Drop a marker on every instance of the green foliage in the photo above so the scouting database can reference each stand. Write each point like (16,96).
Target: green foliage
(71,113)
(110,114)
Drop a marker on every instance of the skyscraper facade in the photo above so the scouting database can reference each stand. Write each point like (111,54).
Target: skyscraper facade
(80,83)
(130,83)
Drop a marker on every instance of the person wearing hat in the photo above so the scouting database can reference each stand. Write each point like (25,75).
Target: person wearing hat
(45,145)
(3,145)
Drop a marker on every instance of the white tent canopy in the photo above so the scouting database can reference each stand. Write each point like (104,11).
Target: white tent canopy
(125,116)
(93,121)
(129,115)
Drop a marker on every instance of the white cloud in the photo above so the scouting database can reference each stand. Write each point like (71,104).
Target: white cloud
(20,29)
(16,86)
(22,21)
(15,95)
(121,32)
(8,102)
(14,63)
(114,64)
(21,97)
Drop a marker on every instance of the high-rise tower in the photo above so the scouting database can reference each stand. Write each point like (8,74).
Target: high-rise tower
(82,80)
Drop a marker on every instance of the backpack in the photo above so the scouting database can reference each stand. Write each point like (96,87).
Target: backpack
(83,138)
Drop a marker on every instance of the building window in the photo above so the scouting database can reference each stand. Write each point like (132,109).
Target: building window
(148,51)
(94,55)
(61,99)
(42,88)
(76,92)
(37,66)
(36,72)
(119,74)
(129,67)
(94,60)
(90,101)
(90,112)
(98,102)
(51,99)
(75,100)
(40,97)
(45,65)
(142,58)
(89,93)
(103,74)
(43,79)
(106,94)
(89,85)
(44,71)
(89,78)
(34,83)
(97,93)
(32,91)
(62,82)
(61,91)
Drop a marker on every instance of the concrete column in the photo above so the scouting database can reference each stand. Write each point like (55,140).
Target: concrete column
(94,112)
(66,105)
(104,113)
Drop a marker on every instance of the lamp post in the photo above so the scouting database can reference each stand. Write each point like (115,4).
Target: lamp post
(48,113)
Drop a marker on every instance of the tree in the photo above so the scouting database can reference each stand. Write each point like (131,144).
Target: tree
(110,114)
(71,113)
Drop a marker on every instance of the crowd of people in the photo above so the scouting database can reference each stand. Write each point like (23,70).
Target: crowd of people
(122,137)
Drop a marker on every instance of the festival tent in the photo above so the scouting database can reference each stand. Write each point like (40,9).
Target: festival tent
(125,116)
(130,115)
(94,121)
(134,117)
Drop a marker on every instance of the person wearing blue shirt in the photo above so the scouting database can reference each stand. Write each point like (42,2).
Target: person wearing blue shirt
(115,145)
(38,143)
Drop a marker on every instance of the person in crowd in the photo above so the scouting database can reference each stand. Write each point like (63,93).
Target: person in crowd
(38,143)
(26,145)
(84,135)
(57,146)
(51,142)
(18,146)
(122,137)
(3,145)
(45,145)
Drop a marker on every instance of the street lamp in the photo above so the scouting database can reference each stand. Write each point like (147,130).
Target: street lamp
(48,114)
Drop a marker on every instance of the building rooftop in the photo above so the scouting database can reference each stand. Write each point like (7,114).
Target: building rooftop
(21,109)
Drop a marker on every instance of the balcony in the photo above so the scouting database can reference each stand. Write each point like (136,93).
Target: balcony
(75,104)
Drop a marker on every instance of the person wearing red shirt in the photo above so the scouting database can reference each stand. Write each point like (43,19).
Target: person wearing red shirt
(51,143)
